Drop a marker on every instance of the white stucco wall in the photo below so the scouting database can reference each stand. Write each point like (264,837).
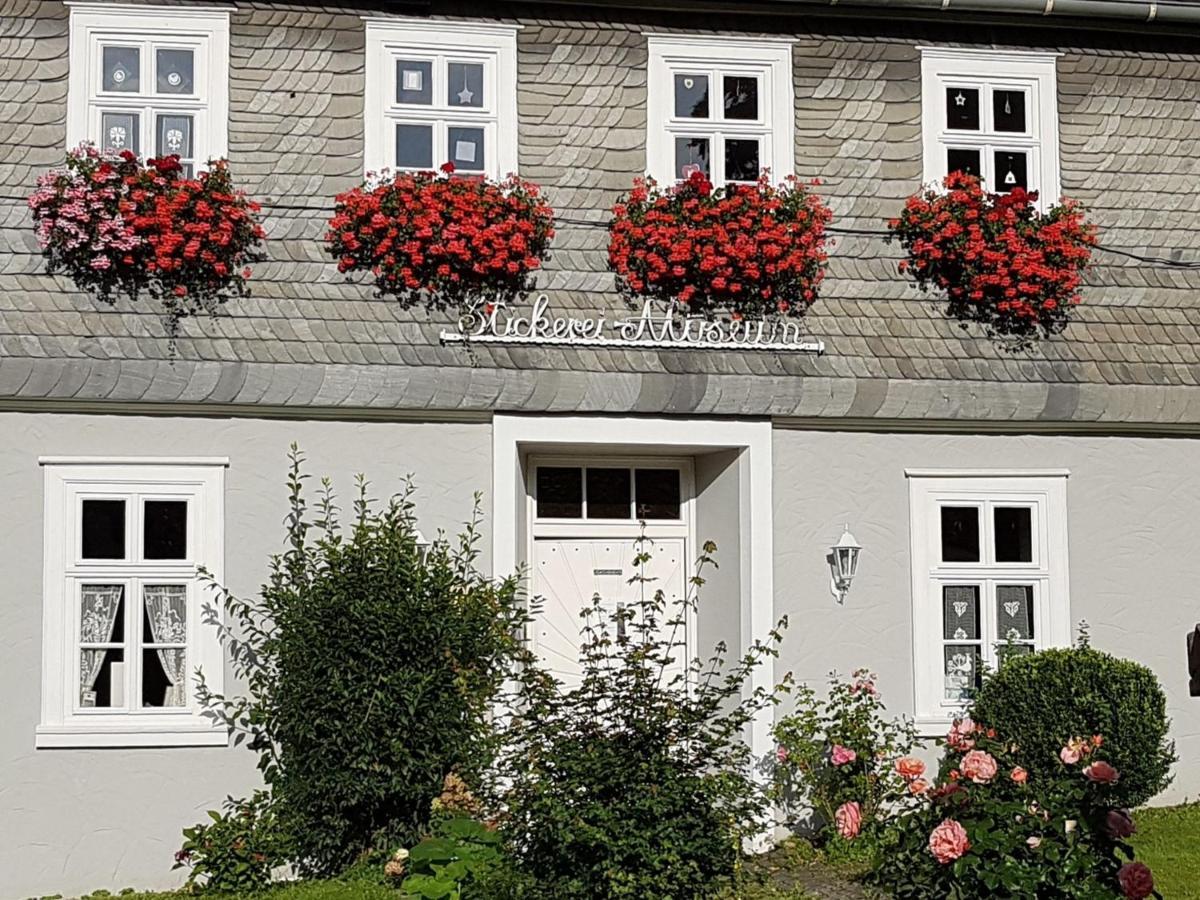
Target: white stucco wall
(1132,503)
(75,820)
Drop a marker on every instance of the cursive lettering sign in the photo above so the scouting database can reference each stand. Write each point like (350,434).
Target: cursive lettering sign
(654,327)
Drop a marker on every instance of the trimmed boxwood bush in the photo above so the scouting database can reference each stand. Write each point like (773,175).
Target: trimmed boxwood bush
(1041,700)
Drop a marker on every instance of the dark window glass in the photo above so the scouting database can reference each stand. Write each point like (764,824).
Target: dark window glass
(122,68)
(559,492)
(656,493)
(1014,612)
(1011,170)
(414,146)
(608,493)
(691,96)
(103,529)
(741,97)
(174,71)
(414,82)
(960,534)
(1008,110)
(691,155)
(157,688)
(164,529)
(1014,534)
(105,691)
(962,109)
(741,159)
(961,160)
(466,148)
(960,612)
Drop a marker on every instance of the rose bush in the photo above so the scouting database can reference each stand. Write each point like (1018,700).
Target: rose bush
(999,260)
(116,225)
(746,250)
(442,240)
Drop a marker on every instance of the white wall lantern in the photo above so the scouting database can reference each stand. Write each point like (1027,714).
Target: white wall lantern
(423,545)
(843,564)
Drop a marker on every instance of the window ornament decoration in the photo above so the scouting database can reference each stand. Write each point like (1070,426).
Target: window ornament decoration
(997,259)
(115,224)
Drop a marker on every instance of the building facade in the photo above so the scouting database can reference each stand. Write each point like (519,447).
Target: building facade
(997,495)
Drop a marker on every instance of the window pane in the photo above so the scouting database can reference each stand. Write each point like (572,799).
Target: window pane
(102,678)
(691,96)
(174,136)
(1014,612)
(102,614)
(966,161)
(741,97)
(414,82)
(466,149)
(414,146)
(559,492)
(963,672)
(101,669)
(164,669)
(120,131)
(741,159)
(174,71)
(102,525)
(960,616)
(164,529)
(121,69)
(1014,534)
(657,494)
(691,155)
(962,109)
(1011,170)
(1008,110)
(466,84)
(608,493)
(960,534)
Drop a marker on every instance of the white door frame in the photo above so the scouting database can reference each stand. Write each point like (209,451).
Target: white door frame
(515,436)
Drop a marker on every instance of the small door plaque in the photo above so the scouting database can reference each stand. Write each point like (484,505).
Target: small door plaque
(607,572)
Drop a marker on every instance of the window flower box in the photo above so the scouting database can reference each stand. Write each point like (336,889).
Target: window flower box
(440,240)
(1000,261)
(741,251)
(114,224)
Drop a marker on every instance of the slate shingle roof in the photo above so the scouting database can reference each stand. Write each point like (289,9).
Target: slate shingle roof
(307,338)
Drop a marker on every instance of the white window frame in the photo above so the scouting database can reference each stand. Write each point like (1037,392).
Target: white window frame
(67,481)
(930,489)
(492,44)
(768,59)
(205,30)
(985,70)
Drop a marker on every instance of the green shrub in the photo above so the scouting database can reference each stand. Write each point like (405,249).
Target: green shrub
(1040,700)
(631,784)
(451,862)
(236,850)
(371,665)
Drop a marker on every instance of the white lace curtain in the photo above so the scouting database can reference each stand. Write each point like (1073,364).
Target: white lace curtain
(97,625)
(166,611)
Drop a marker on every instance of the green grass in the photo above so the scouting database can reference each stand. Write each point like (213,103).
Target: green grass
(1168,841)
(333,889)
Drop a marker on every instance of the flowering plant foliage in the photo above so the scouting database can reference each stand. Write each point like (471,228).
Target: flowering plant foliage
(986,827)
(999,260)
(116,224)
(839,761)
(746,250)
(441,240)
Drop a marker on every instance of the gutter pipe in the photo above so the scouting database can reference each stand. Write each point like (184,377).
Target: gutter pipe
(1159,12)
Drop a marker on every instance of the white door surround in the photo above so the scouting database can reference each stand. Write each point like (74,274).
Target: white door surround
(516,437)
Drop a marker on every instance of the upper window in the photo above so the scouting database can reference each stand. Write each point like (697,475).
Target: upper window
(992,114)
(125,627)
(989,577)
(724,108)
(651,493)
(441,92)
(152,80)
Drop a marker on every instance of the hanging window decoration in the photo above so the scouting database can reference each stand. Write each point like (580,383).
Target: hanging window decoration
(740,251)
(114,225)
(998,259)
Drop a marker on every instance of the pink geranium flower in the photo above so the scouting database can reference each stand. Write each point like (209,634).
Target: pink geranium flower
(840,755)
(979,766)
(948,841)
(848,820)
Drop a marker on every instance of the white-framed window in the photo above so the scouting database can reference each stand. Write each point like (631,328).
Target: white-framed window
(989,577)
(126,616)
(438,92)
(993,114)
(722,107)
(151,79)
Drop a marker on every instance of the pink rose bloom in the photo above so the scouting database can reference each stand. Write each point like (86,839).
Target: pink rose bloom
(1069,754)
(842,755)
(948,841)
(1019,775)
(848,820)
(1101,772)
(961,734)
(909,767)
(918,786)
(1136,880)
(782,754)
(979,766)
